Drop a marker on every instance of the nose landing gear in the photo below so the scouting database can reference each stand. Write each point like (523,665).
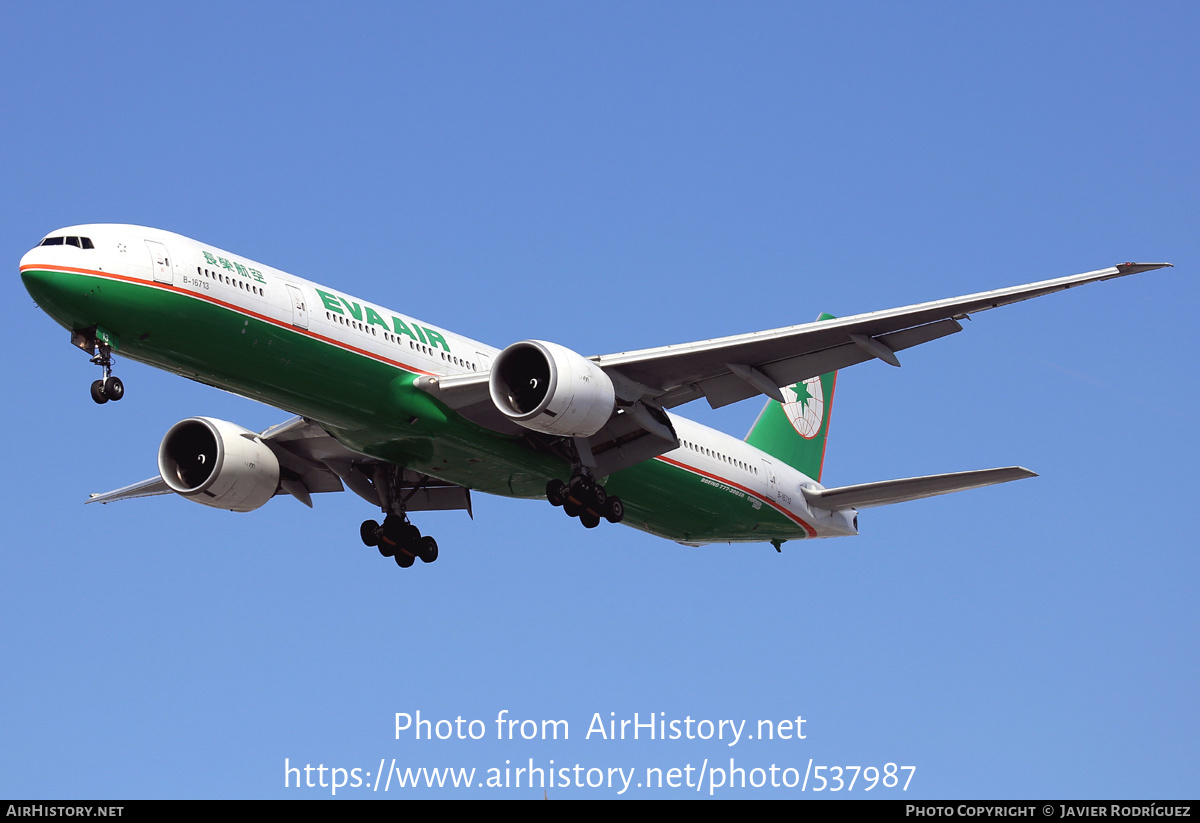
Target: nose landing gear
(110,386)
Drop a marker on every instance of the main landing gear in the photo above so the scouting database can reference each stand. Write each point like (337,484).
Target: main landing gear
(586,499)
(399,539)
(110,386)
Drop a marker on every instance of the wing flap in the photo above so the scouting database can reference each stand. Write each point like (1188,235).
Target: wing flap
(730,388)
(442,497)
(886,492)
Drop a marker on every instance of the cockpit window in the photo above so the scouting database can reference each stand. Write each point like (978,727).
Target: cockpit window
(77,242)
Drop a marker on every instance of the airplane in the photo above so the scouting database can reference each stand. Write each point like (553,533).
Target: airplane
(413,417)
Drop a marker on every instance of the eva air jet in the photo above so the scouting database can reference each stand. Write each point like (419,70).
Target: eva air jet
(413,417)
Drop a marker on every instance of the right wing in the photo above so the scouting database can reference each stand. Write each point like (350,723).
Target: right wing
(725,370)
(728,369)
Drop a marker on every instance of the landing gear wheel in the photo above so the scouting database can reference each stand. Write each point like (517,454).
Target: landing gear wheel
(615,511)
(572,509)
(402,540)
(113,388)
(98,392)
(428,551)
(589,520)
(556,492)
(599,497)
(369,532)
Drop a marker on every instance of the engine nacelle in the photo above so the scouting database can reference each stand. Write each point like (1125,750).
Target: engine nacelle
(219,464)
(551,389)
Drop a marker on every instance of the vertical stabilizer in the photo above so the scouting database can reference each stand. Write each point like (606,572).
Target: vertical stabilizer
(795,432)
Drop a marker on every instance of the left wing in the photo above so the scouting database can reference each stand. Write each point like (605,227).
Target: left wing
(147,488)
(312,461)
(300,446)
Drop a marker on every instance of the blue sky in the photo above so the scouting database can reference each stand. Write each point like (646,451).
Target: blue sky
(614,176)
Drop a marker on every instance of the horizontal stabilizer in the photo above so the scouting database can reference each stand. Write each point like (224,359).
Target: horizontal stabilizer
(885,492)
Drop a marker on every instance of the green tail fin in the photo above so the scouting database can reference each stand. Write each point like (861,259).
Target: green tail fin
(795,433)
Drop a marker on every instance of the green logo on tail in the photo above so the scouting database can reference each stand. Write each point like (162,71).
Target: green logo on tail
(805,408)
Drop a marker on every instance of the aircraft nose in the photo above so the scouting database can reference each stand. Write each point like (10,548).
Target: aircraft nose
(33,271)
(32,257)
(42,286)
(36,265)
(58,291)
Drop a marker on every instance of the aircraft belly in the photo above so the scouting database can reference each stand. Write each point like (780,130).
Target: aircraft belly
(670,500)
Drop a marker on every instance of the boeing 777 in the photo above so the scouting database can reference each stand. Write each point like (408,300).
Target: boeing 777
(414,417)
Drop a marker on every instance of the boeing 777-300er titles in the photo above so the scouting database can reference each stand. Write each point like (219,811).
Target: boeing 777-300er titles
(413,417)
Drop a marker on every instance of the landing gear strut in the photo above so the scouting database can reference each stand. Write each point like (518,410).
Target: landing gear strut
(586,499)
(110,386)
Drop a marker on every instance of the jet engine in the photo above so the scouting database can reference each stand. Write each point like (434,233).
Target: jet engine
(219,464)
(551,389)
